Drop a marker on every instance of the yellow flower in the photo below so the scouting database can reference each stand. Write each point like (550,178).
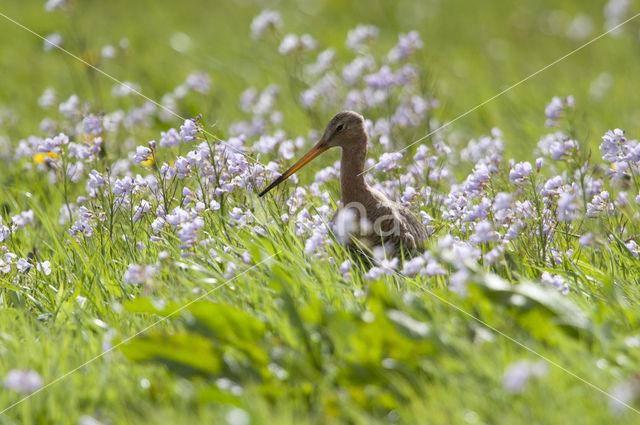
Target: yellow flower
(148,162)
(41,157)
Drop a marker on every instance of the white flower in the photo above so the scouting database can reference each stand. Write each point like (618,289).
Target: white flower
(23,381)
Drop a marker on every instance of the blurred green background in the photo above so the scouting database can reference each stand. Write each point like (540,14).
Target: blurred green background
(473,50)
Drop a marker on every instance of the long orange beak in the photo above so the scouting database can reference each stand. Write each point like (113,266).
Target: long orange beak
(319,147)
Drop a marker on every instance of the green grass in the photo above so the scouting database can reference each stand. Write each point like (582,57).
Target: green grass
(294,310)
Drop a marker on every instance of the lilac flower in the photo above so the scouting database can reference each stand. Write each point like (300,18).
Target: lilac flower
(388,161)
(199,82)
(539,163)
(74,171)
(125,89)
(385,268)
(382,79)
(188,131)
(44,267)
(345,267)
(599,204)
(633,247)
(143,154)
(517,375)
(586,240)
(141,210)
(352,72)
(624,393)
(48,98)
(502,201)
(553,111)
(23,381)
(407,43)
(613,146)
(323,62)
(289,43)
(413,266)
(557,281)
(169,138)
(314,243)
(52,41)
(359,37)
(567,207)
(483,233)
(267,19)
(520,172)
(95,180)
(137,275)
(23,265)
(92,125)
(52,5)
(108,52)
(182,167)
(21,220)
(70,107)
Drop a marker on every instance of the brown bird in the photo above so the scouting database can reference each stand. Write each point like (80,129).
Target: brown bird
(381,220)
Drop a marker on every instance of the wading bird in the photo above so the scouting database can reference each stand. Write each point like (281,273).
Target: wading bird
(381,220)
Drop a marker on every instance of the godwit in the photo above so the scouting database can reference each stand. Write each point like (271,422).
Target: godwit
(388,222)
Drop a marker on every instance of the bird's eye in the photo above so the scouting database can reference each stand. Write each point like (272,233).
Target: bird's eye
(340,127)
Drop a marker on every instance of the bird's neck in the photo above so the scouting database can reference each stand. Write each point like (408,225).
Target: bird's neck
(352,184)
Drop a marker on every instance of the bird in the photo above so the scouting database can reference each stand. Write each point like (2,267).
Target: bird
(383,222)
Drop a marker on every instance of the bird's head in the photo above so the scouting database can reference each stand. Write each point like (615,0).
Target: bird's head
(346,130)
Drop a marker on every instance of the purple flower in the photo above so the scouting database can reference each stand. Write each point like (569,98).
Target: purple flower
(518,374)
(267,19)
(44,267)
(48,98)
(555,280)
(52,5)
(289,43)
(23,265)
(199,82)
(386,268)
(613,146)
(92,125)
(188,131)
(407,43)
(520,172)
(23,381)
(567,207)
(345,267)
(52,41)
(483,233)
(359,37)
(388,161)
(141,210)
(137,275)
(413,266)
(143,154)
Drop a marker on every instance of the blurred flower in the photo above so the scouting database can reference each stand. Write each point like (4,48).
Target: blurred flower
(359,37)
(137,275)
(555,280)
(52,5)
(188,131)
(52,41)
(92,125)
(267,19)
(518,374)
(23,381)
(143,154)
(199,82)
(48,98)
(407,43)
(520,172)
